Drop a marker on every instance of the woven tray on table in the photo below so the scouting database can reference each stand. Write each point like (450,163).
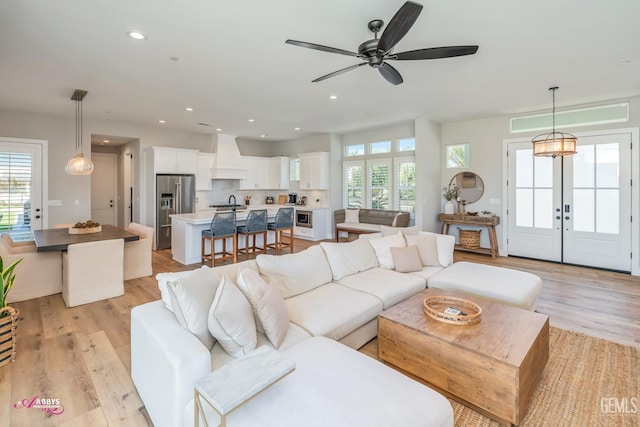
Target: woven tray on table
(436,305)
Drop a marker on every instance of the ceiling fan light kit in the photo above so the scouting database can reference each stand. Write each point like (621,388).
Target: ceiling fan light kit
(79,164)
(555,143)
(377,51)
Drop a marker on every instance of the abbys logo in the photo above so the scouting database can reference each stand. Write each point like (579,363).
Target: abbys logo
(615,405)
(48,406)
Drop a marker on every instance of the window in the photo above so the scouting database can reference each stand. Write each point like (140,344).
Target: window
(354,184)
(294,169)
(354,150)
(378,183)
(405,184)
(380,147)
(457,156)
(406,144)
(380,178)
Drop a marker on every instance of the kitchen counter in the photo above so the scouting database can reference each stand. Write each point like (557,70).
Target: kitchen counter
(186,230)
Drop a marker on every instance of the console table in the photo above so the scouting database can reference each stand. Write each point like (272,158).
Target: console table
(489,222)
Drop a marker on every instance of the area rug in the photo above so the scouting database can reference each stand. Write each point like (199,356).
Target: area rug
(587,382)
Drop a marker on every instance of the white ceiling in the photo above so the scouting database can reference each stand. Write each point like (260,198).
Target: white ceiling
(233,63)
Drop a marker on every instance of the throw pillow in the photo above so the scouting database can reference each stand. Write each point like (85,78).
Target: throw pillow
(349,258)
(191,297)
(382,246)
(253,287)
(231,320)
(445,244)
(273,314)
(163,280)
(406,259)
(352,215)
(426,245)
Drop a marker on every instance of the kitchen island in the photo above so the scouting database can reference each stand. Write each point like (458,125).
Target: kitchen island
(186,231)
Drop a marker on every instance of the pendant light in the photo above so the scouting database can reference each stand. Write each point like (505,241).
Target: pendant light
(555,143)
(79,164)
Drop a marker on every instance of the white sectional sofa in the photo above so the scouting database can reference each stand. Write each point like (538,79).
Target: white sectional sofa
(332,290)
(328,296)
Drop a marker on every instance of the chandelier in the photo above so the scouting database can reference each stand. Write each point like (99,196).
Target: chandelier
(555,143)
(79,164)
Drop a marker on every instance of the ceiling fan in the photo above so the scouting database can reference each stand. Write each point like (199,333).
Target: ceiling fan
(377,51)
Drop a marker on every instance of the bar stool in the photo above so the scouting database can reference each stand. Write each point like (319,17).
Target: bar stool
(223,227)
(255,224)
(283,222)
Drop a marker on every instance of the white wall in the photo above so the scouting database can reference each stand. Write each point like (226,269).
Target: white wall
(428,197)
(486,137)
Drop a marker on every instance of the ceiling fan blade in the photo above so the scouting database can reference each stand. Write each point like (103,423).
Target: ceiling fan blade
(321,47)
(390,74)
(335,73)
(435,53)
(399,26)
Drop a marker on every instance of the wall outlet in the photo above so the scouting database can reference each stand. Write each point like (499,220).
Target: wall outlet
(495,201)
(55,202)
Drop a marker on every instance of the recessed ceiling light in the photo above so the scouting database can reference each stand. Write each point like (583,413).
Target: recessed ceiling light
(625,62)
(174,58)
(296,128)
(264,135)
(106,141)
(136,35)
(189,109)
(251,120)
(161,121)
(218,130)
(333,97)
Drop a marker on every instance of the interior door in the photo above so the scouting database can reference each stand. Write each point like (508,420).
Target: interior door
(574,209)
(597,203)
(534,202)
(104,181)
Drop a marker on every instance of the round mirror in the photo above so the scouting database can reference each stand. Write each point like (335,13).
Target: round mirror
(470,186)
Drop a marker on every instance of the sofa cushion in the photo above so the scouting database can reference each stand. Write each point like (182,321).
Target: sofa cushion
(388,231)
(445,245)
(349,258)
(359,226)
(191,297)
(332,310)
(406,259)
(298,272)
(426,272)
(253,287)
(352,215)
(382,247)
(231,319)
(389,286)
(273,315)
(427,248)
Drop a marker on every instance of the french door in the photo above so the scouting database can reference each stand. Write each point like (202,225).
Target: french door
(574,209)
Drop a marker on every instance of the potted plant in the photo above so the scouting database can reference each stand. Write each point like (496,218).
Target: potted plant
(450,193)
(8,315)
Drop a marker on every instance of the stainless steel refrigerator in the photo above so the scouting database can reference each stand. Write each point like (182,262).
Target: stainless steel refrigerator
(175,194)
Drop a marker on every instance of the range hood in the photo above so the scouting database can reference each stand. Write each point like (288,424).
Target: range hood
(228,163)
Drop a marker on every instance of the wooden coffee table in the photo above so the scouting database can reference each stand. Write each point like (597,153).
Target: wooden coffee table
(493,366)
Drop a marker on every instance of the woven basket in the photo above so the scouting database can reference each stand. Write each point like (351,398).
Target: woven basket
(470,238)
(435,306)
(8,327)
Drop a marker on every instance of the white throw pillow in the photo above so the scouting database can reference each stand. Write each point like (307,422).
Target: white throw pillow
(273,315)
(352,215)
(231,320)
(253,287)
(388,231)
(164,278)
(191,297)
(349,258)
(445,244)
(426,244)
(382,246)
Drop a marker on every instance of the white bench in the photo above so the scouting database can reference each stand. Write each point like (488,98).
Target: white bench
(511,287)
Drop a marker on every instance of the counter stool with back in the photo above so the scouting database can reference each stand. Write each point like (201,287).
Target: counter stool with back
(223,227)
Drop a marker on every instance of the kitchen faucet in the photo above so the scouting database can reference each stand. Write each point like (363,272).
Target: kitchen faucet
(234,200)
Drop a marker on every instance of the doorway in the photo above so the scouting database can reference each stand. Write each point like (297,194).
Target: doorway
(104,188)
(574,209)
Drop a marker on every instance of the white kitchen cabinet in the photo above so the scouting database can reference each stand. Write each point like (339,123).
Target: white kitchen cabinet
(265,173)
(203,171)
(320,225)
(314,171)
(175,160)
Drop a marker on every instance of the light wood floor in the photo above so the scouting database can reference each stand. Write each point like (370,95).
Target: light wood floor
(82,356)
